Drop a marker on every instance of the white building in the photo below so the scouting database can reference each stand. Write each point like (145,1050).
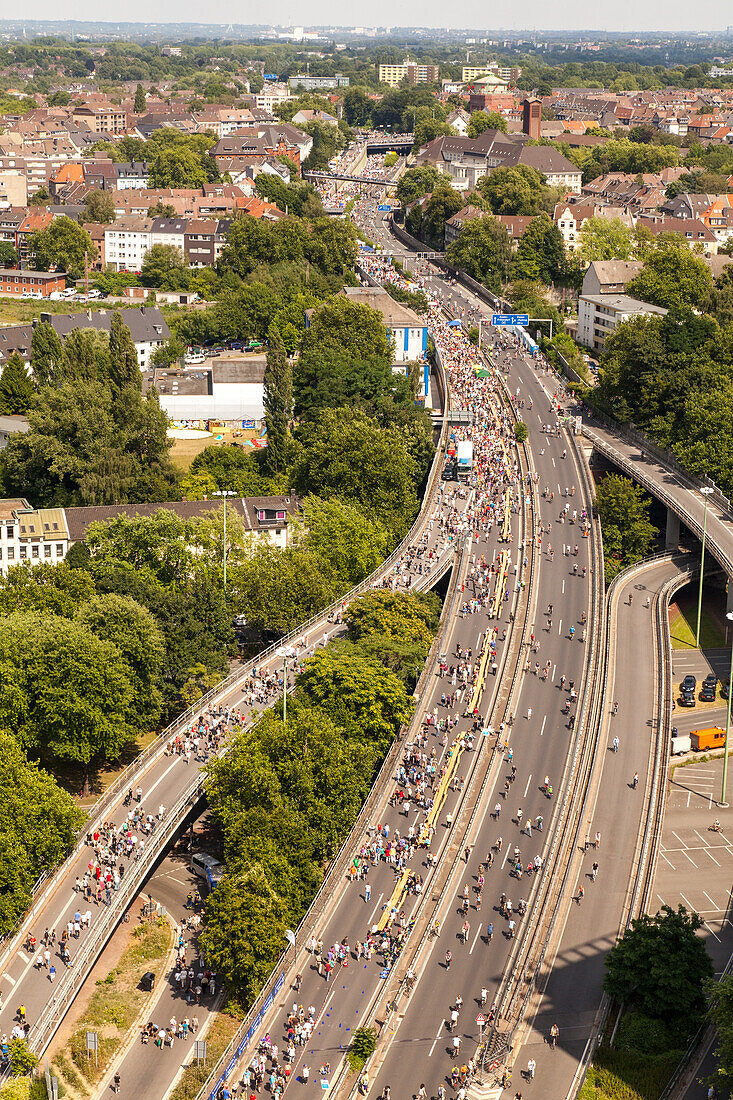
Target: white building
(126,241)
(599,315)
(169,231)
(408,330)
(31,534)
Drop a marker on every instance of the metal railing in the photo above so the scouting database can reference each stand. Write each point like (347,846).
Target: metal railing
(218,694)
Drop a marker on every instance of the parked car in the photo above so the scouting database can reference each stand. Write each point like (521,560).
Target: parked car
(689,683)
(687,699)
(194,358)
(708,693)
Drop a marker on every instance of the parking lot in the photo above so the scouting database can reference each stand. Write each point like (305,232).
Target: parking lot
(695,865)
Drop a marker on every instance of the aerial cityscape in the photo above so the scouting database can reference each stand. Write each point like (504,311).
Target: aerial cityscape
(366,555)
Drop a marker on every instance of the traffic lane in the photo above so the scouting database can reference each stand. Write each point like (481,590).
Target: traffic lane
(146,1068)
(575,986)
(163,782)
(355,990)
(481,963)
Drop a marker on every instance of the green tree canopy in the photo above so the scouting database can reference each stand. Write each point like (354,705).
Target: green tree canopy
(278,402)
(99,206)
(517,190)
(659,966)
(63,246)
(16,386)
(623,507)
(672,277)
(541,253)
(38,823)
(483,250)
(416,182)
(606,239)
(161,266)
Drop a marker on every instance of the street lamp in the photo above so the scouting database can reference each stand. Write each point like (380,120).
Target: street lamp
(722,802)
(224,493)
(286,652)
(706,491)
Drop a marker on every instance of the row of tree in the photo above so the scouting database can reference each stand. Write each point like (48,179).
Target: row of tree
(286,796)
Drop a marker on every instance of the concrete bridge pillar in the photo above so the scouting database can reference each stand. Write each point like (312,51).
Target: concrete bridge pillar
(672,540)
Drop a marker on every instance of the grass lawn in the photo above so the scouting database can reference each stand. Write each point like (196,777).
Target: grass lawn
(682,625)
(627,1075)
(184,451)
(113,1009)
(18,311)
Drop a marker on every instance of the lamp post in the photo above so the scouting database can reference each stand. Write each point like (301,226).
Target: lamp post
(722,802)
(706,491)
(224,493)
(286,652)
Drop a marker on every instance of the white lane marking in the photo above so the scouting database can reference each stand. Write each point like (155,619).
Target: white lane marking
(528,782)
(563,588)
(23,957)
(709,853)
(159,781)
(371,918)
(669,862)
(543,725)
(478,933)
(440,1032)
(680,839)
(688,903)
(684,853)
(714,905)
(8,978)
(559,627)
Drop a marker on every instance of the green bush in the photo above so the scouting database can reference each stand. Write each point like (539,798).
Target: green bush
(520,431)
(362,1047)
(642,1034)
(625,1075)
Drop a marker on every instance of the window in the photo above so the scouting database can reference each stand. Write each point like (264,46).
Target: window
(24,552)
(11,553)
(47,550)
(35,551)
(60,549)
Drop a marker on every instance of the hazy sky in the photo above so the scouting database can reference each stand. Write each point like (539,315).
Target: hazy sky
(623,15)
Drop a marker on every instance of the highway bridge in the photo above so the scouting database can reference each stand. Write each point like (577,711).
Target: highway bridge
(401,145)
(367,181)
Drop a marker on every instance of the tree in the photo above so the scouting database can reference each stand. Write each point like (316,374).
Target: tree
(659,966)
(47,354)
(22,1058)
(135,633)
(345,454)
(172,351)
(485,120)
(672,276)
(16,386)
(8,255)
(177,167)
(40,198)
(278,403)
(139,105)
(483,250)
(416,182)
(442,204)
(720,997)
(348,544)
(124,369)
(62,245)
(160,262)
(517,190)
(67,692)
(161,209)
(623,507)
(541,253)
(99,206)
(605,239)
(357,107)
(358,694)
(38,823)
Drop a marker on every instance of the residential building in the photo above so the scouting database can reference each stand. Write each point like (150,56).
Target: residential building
(694,231)
(459,120)
(508,75)
(169,231)
(10,425)
(456,222)
(41,284)
(609,276)
(308,83)
(467,160)
(276,140)
(147,326)
(408,330)
(32,535)
(108,119)
(13,188)
(599,315)
(126,241)
(302,118)
(410,71)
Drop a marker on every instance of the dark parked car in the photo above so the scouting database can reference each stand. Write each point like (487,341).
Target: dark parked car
(689,683)
(687,699)
(707,695)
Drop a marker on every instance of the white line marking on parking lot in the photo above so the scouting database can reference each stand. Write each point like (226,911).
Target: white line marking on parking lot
(680,839)
(707,895)
(671,865)
(711,931)
(688,903)
(559,627)
(690,859)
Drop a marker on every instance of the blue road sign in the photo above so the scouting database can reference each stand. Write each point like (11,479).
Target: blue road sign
(510,319)
(384,206)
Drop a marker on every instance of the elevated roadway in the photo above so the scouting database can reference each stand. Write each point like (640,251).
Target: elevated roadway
(172,782)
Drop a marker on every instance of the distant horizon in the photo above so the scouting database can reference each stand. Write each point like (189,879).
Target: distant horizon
(718,25)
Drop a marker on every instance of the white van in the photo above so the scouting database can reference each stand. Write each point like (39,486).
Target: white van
(203,865)
(194,359)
